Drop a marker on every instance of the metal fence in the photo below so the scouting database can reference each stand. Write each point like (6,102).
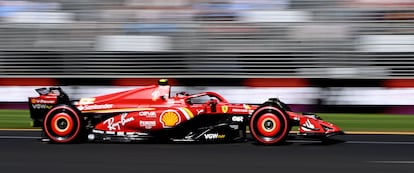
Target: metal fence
(296,38)
(334,64)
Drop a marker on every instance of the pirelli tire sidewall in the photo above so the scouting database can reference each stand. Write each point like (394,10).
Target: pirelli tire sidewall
(63,124)
(269,125)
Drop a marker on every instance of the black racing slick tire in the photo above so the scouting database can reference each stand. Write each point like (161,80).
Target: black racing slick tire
(63,124)
(269,125)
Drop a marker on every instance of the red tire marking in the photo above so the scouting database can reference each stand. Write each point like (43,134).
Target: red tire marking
(254,133)
(52,136)
(55,128)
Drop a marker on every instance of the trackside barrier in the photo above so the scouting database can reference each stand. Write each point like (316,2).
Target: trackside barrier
(306,95)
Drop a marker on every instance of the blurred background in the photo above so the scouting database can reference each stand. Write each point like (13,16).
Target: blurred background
(318,55)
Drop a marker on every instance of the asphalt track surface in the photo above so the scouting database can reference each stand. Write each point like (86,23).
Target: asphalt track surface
(22,151)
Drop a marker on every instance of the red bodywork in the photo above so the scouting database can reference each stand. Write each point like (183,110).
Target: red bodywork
(151,111)
(152,108)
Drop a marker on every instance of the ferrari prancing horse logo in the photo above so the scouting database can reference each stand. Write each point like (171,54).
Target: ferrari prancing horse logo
(224,109)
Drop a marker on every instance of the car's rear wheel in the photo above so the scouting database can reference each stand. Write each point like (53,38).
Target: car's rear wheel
(63,124)
(269,125)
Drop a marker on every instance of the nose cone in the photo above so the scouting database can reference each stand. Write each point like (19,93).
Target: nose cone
(314,126)
(333,130)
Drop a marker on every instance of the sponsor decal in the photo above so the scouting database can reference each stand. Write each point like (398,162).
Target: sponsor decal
(240,110)
(93,107)
(214,136)
(42,101)
(200,111)
(170,118)
(237,118)
(41,106)
(117,125)
(98,131)
(224,109)
(147,124)
(117,110)
(86,101)
(110,133)
(148,114)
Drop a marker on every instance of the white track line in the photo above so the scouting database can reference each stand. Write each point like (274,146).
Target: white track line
(358,142)
(394,162)
(380,142)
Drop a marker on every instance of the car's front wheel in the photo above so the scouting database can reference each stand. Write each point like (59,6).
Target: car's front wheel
(269,125)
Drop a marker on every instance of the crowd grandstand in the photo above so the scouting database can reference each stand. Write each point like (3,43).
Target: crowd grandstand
(213,38)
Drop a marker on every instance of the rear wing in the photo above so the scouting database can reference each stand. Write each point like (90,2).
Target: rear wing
(48,98)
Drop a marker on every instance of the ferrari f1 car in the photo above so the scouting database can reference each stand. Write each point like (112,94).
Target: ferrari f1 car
(152,114)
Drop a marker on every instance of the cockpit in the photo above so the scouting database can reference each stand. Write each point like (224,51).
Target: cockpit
(205,97)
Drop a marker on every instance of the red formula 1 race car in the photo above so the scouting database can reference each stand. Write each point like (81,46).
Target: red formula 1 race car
(151,114)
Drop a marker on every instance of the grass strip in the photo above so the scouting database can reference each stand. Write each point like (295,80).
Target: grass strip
(371,122)
(15,119)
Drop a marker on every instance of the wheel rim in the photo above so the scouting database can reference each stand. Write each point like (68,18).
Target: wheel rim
(268,125)
(62,124)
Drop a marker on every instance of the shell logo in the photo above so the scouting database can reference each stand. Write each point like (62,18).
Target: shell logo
(170,118)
